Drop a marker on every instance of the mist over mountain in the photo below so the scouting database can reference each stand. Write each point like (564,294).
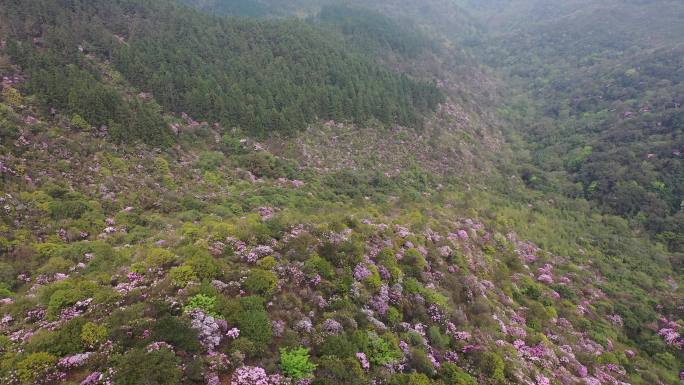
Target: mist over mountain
(259,192)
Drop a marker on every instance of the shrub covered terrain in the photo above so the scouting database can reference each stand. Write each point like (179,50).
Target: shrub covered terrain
(145,242)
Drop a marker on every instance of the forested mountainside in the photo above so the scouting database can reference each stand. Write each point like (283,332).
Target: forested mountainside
(604,102)
(261,76)
(311,192)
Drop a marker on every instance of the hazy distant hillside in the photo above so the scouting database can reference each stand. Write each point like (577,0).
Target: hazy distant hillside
(606,81)
(438,15)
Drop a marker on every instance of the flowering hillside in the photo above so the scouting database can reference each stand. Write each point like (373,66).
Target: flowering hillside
(161,246)
(202,264)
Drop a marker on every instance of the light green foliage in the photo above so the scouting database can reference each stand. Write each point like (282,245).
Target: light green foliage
(203,265)
(4,291)
(203,302)
(79,123)
(451,374)
(295,363)
(61,342)
(410,379)
(492,364)
(437,338)
(35,366)
(667,360)
(93,334)
(61,299)
(317,265)
(159,258)
(161,165)
(50,250)
(5,344)
(393,316)
(267,263)
(387,258)
(11,96)
(182,275)
(210,160)
(55,265)
(380,350)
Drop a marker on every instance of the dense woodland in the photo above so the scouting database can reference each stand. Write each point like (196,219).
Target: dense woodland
(260,76)
(603,104)
(258,192)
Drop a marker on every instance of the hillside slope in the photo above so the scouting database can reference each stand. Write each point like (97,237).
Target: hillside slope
(148,247)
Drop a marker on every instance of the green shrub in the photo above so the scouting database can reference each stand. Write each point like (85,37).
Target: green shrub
(72,209)
(4,291)
(267,263)
(339,346)
(62,299)
(437,338)
(210,160)
(295,363)
(93,334)
(203,265)
(60,342)
(5,344)
(410,379)
(79,123)
(413,263)
(55,265)
(667,360)
(33,368)
(453,375)
(420,361)
(493,365)
(261,282)
(11,96)
(387,259)
(158,257)
(7,276)
(182,275)
(50,250)
(253,321)
(203,302)
(159,367)
(261,164)
(380,350)
(393,316)
(317,265)
(177,332)
(335,371)
(247,347)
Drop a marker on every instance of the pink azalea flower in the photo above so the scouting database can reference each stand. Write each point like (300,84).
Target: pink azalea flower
(363,360)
